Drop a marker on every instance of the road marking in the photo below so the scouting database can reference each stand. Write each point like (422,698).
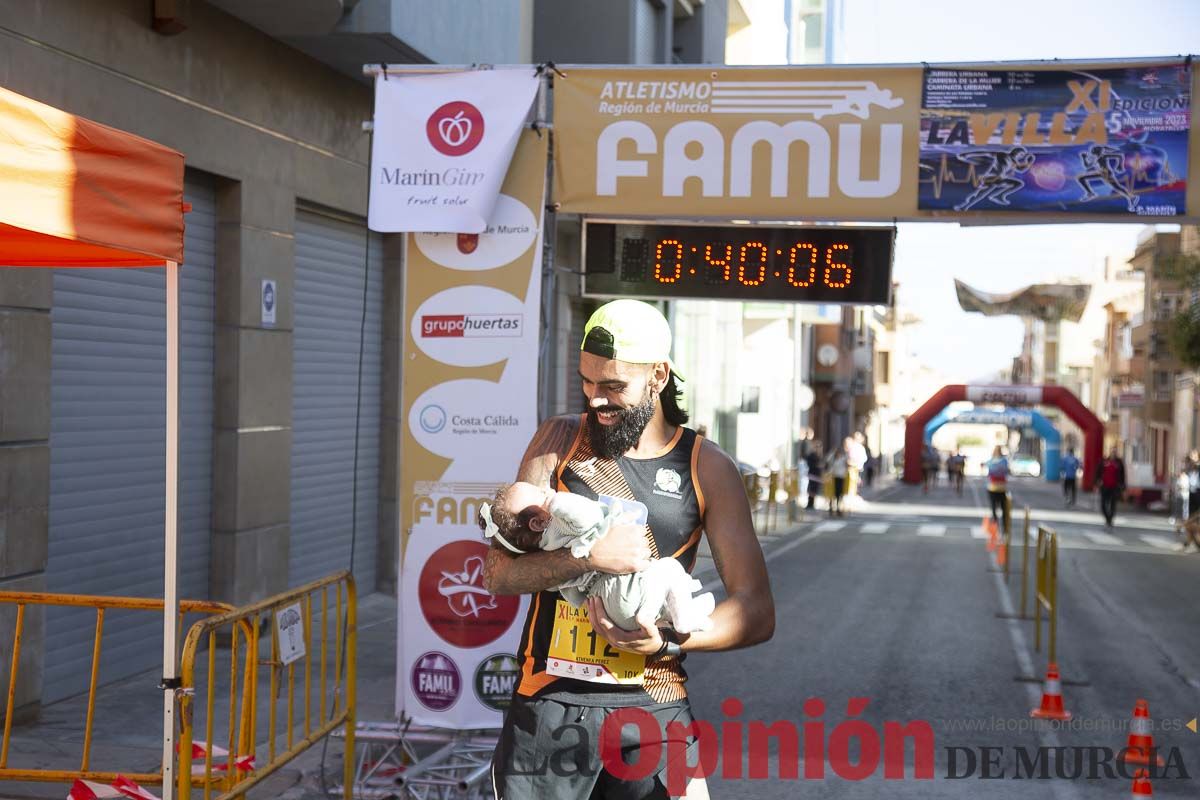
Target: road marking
(931,530)
(770,555)
(874,527)
(829,527)
(1159,541)
(1103,538)
(977,532)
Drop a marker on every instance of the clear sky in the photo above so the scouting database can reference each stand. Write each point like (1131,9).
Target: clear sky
(998,259)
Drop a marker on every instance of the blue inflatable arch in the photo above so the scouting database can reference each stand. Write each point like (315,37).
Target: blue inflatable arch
(1013,418)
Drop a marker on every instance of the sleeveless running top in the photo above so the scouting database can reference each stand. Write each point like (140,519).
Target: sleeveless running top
(666,485)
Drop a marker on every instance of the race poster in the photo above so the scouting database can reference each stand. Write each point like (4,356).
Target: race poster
(472,305)
(1084,141)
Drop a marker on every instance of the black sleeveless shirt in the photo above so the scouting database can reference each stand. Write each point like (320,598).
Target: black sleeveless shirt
(667,485)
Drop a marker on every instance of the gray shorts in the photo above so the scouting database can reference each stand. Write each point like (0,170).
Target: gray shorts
(550,750)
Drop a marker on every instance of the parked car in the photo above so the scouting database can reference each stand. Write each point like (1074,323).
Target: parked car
(1024,466)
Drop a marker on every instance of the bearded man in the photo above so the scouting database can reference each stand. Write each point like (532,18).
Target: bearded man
(576,668)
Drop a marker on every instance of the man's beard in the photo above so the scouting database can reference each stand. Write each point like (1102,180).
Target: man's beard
(610,441)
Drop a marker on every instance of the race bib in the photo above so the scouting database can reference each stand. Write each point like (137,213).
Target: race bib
(577,651)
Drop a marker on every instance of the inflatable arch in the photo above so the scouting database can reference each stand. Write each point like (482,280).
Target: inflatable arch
(1013,418)
(1057,396)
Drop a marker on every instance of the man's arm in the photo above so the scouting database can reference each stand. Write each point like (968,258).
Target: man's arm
(504,572)
(747,615)
(622,550)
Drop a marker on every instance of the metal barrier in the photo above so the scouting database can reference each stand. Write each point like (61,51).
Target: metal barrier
(101,603)
(239,772)
(1047,588)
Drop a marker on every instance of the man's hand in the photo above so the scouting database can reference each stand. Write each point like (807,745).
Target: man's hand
(646,640)
(620,551)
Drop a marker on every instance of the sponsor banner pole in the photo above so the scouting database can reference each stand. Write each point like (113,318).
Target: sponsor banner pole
(469,405)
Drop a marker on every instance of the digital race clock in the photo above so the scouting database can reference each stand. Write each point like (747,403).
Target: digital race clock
(738,262)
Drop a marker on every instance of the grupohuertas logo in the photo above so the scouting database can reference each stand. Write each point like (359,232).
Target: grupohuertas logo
(495,680)
(471,326)
(455,129)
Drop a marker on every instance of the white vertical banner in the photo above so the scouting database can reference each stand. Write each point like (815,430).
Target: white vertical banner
(442,145)
(472,329)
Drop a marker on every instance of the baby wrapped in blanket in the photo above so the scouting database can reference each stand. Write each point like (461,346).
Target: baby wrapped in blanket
(526,517)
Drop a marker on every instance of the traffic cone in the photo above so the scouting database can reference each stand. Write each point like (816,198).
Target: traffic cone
(992,529)
(1052,702)
(1141,737)
(1141,785)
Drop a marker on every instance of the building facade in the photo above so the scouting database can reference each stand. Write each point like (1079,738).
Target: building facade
(289,449)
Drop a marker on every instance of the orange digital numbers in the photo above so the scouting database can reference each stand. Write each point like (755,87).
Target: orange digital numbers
(831,266)
(721,263)
(810,269)
(677,267)
(761,266)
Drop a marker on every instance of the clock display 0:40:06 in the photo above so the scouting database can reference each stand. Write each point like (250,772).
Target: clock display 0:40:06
(803,265)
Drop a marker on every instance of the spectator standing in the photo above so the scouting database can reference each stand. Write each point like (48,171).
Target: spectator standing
(1110,477)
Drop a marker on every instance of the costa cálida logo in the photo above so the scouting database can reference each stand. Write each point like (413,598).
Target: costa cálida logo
(455,129)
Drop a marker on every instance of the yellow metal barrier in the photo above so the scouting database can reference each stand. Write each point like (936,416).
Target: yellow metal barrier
(101,603)
(335,702)
(1047,588)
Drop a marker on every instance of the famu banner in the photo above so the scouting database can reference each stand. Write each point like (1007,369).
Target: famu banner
(442,145)
(756,143)
(469,406)
(1083,141)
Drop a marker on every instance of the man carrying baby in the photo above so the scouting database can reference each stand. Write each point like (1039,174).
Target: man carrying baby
(629,449)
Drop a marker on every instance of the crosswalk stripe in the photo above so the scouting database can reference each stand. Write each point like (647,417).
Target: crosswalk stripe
(931,530)
(829,527)
(875,527)
(978,532)
(1159,541)
(1102,538)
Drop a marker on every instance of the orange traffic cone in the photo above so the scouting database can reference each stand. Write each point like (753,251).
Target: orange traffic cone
(1141,785)
(1052,702)
(993,530)
(1141,737)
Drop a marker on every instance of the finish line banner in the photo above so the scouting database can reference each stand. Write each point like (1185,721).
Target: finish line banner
(469,406)
(442,145)
(1088,141)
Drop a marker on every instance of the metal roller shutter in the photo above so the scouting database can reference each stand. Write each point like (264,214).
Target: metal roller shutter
(330,258)
(108,444)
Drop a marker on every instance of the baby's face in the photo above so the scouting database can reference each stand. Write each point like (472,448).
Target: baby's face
(525,495)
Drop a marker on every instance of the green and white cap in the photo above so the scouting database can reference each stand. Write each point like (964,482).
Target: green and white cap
(628,330)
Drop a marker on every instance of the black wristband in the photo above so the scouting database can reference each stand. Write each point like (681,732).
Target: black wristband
(670,646)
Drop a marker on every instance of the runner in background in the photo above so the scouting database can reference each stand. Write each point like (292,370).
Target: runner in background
(997,482)
(1110,477)
(1070,471)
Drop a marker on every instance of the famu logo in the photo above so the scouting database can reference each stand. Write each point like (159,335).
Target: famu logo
(466,326)
(495,680)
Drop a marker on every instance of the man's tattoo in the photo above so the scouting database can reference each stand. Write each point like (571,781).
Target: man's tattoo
(532,572)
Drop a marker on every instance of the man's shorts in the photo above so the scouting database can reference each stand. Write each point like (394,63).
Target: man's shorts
(550,750)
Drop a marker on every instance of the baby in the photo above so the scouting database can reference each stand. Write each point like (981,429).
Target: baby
(526,517)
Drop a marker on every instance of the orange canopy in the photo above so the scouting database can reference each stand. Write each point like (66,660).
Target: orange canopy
(75,193)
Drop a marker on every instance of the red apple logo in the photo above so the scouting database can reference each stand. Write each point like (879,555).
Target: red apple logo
(467,243)
(455,129)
